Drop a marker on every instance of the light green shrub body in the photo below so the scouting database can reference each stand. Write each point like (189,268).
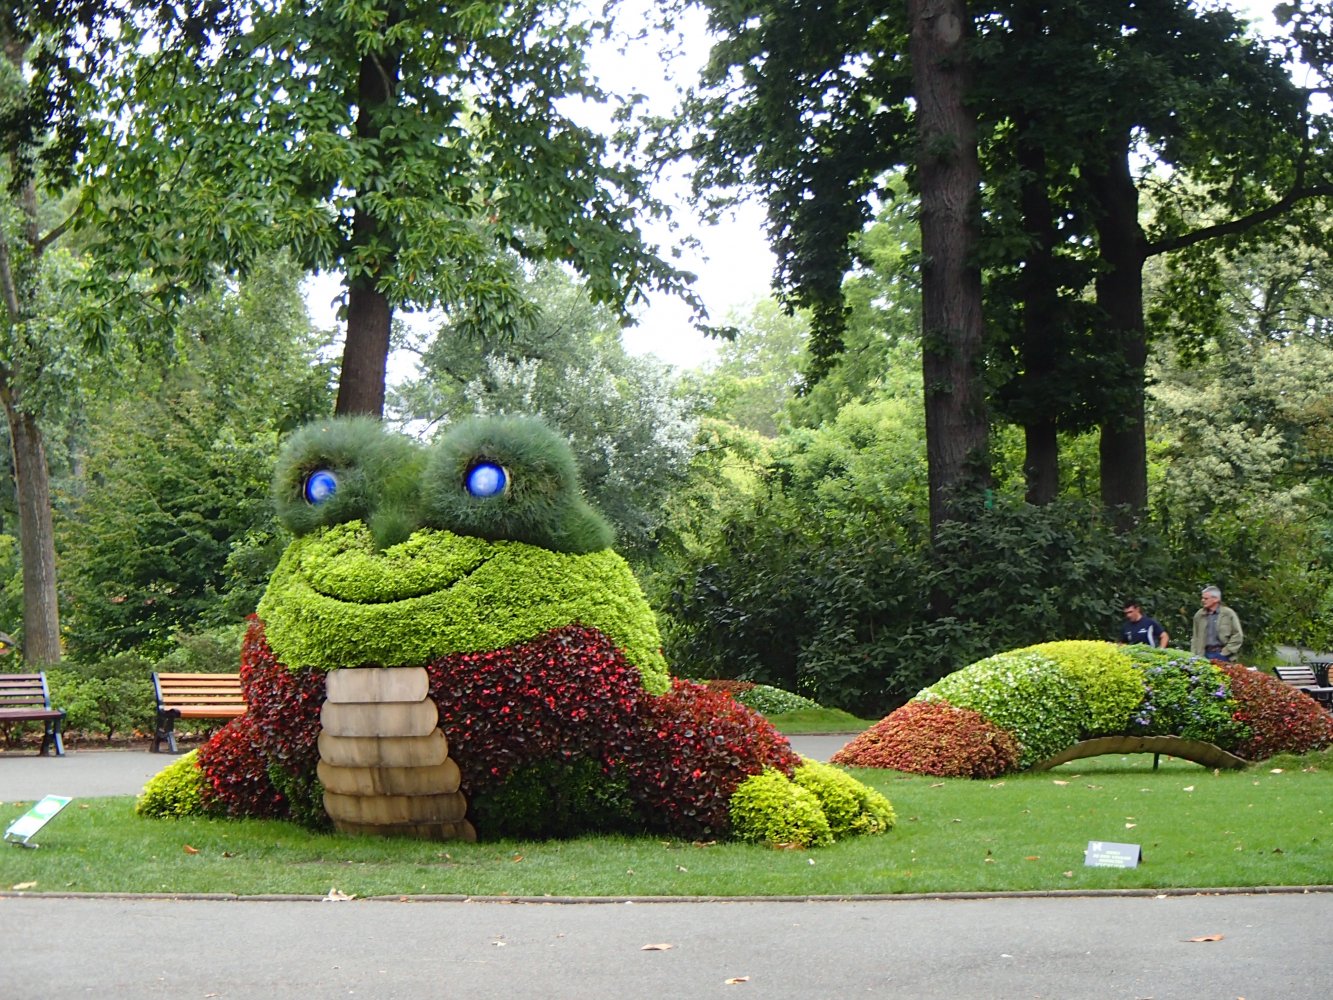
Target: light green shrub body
(851,808)
(768,700)
(1111,688)
(177,790)
(1027,693)
(768,808)
(336,601)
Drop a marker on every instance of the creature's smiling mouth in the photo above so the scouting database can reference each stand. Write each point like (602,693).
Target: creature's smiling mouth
(342,564)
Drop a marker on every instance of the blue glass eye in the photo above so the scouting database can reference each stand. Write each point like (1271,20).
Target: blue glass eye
(319,486)
(486,480)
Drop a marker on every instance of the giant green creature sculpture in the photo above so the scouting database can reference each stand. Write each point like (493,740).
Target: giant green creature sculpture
(469,585)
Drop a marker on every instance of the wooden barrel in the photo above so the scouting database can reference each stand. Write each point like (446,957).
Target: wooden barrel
(384,762)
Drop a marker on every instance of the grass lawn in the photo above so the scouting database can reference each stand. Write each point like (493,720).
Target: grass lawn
(1271,825)
(811,721)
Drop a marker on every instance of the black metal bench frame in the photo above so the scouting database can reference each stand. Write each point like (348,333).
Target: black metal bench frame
(26,698)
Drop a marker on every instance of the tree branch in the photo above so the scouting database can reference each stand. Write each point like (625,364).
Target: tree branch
(1243,224)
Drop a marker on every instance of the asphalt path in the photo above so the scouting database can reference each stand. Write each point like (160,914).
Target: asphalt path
(1257,947)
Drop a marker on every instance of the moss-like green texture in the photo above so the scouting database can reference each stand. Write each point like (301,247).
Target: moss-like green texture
(769,808)
(336,601)
(541,503)
(851,808)
(177,790)
(1112,688)
(378,476)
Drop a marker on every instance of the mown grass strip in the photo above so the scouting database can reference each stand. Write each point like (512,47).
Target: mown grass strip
(1268,826)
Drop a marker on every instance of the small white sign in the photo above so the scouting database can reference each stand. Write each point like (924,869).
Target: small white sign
(1104,854)
(21,830)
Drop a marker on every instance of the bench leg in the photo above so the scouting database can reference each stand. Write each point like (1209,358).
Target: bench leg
(165,729)
(51,737)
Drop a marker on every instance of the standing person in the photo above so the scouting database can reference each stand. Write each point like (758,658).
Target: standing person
(1139,627)
(1217,633)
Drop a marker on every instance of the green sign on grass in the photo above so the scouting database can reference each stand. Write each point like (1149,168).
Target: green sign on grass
(21,830)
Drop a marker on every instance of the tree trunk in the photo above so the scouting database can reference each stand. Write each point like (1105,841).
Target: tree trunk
(41,614)
(1041,461)
(1043,335)
(366,350)
(369,312)
(1122,247)
(949,176)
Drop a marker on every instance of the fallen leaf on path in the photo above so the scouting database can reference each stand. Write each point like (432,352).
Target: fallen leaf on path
(657,947)
(24,885)
(735,980)
(1205,937)
(336,896)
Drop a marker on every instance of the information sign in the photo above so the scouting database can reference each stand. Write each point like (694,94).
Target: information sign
(21,830)
(1104,854)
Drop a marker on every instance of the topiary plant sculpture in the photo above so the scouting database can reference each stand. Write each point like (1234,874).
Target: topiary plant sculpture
(1044,705)
(449,646)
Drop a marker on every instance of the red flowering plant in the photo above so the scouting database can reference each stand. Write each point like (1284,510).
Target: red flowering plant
(238,774)
(697,746)
(566,696)
(1279,717)
(934,737)
(263,764)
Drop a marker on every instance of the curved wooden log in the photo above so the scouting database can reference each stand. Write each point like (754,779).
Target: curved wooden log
(1207,754)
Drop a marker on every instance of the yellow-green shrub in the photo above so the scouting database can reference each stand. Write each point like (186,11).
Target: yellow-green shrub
(851,808)
(1112,688)
(176,790)
(769,808)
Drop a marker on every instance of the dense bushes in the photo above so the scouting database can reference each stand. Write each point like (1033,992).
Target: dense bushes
(554,737)
(1032,703)
(832,597)
(1279,718)
(697,746)
(934,737)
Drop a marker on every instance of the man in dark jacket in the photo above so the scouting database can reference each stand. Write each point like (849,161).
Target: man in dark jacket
(1139,627)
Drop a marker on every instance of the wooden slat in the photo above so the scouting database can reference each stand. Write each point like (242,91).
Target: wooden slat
(384,751)
(436,778)
(460,830)
(377,684)
(381,810)
(387,719)
(1207,754)
(211,711)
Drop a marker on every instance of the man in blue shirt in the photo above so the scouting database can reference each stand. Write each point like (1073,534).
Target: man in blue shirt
(1139,627)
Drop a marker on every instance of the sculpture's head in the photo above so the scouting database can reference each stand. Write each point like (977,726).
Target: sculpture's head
(404,553)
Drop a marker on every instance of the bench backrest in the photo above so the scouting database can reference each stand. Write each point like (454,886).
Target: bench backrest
(1300,676)
(24,691)
(198,689)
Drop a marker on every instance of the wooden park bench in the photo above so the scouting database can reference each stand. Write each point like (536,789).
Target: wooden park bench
(1302,676)
(26,698)
(193,696)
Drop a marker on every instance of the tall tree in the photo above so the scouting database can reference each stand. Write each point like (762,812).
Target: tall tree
(808,103)
(949,181)
(409,145)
